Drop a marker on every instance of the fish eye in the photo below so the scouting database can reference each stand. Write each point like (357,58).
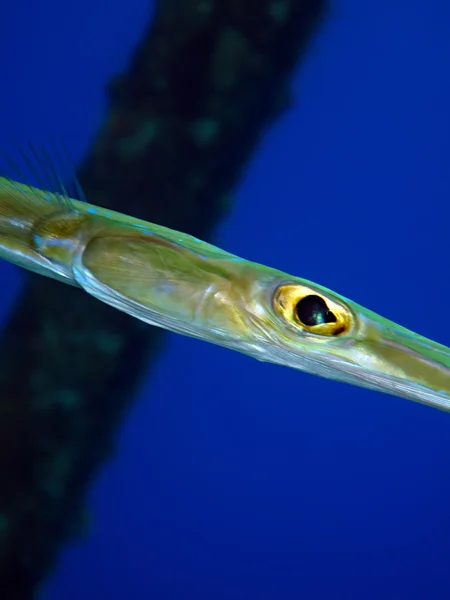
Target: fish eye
(304,307)
(312,310)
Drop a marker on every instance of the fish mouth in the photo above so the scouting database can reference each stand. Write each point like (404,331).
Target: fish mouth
(394,360)
(370,352)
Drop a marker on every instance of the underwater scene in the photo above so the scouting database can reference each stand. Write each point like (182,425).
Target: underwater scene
(225,332)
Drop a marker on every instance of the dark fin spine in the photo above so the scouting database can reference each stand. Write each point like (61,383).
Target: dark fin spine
(21,207)
(46,183)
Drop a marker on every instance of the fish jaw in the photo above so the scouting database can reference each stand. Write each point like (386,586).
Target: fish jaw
(374,353)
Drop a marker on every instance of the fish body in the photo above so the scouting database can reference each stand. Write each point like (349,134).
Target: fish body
(175,281)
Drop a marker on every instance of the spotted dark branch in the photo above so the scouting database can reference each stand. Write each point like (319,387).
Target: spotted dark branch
(205,81)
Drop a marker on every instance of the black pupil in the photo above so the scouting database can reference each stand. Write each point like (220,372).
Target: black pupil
(312,310)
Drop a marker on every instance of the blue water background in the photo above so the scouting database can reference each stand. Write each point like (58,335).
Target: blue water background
(238,479)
